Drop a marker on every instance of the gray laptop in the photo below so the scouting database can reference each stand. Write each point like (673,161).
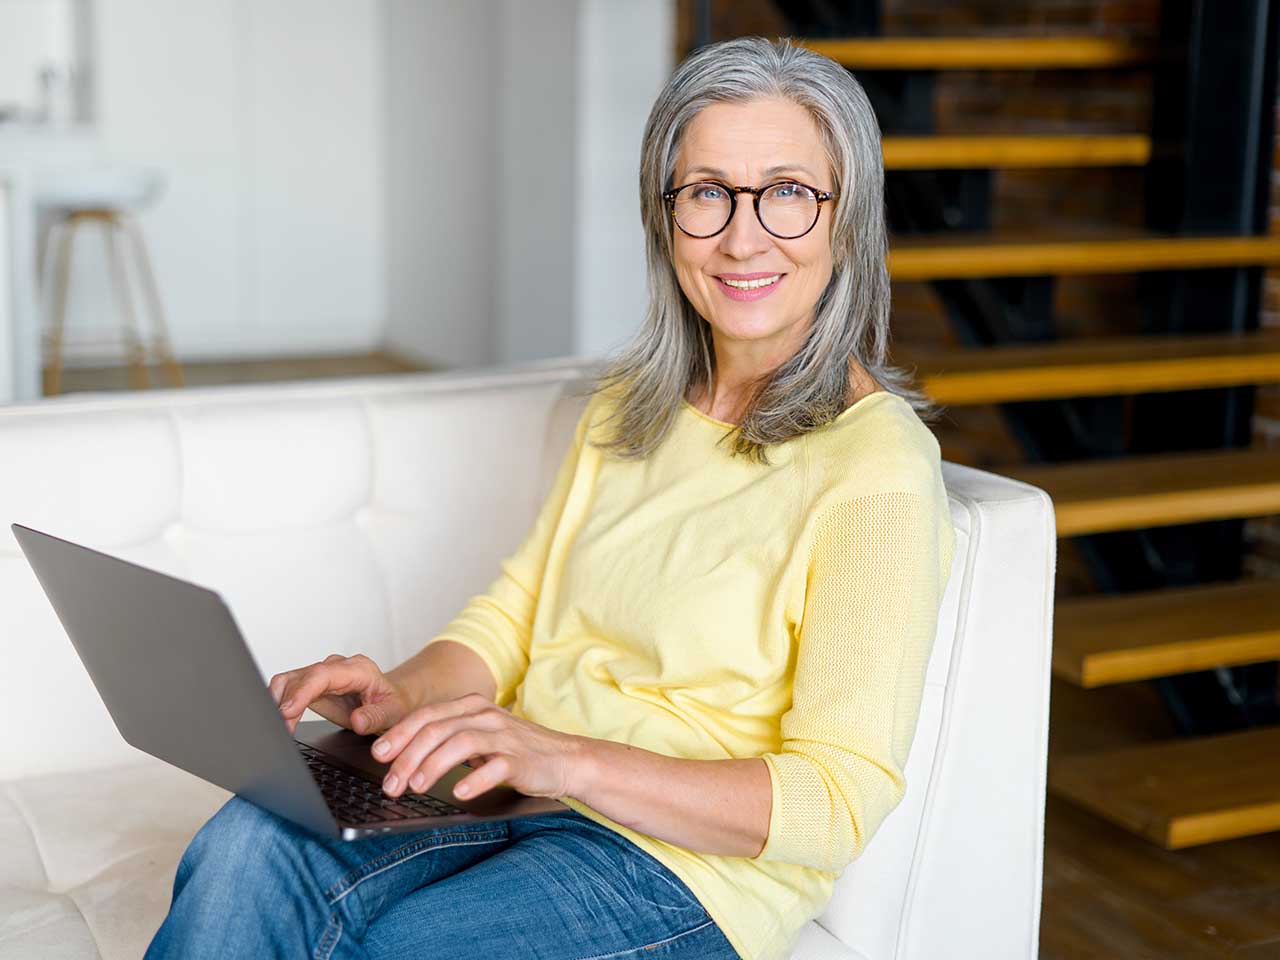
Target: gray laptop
(180,684)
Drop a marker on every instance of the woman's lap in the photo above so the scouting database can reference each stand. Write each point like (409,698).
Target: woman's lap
(556,887)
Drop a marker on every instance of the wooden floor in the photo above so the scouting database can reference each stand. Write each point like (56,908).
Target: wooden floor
(1107,893)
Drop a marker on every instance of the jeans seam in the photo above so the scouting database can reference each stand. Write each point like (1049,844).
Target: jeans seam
(398,856)
(648,946)
(332,934)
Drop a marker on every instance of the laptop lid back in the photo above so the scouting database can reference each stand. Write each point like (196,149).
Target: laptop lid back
(175,674)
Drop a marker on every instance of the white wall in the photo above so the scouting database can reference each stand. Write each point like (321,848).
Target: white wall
(538,123)
(617,84)
(8,331)
(266,121)
(548,102)
(441,178)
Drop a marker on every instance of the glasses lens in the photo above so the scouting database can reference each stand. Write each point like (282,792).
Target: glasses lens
(702,208)
(788,209)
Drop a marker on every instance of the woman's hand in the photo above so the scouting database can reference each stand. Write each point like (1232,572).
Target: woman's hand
(350,691)
(432,740)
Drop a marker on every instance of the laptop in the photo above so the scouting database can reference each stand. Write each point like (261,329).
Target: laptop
(178,680)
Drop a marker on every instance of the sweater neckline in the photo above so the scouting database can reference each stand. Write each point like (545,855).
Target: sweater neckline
(725,425)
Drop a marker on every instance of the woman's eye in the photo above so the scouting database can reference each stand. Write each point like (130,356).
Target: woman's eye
(707,193)
(792,191)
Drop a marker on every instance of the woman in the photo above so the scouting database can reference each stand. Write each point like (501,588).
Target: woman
(713,640)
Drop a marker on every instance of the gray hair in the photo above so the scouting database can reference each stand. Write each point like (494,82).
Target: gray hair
(673,350)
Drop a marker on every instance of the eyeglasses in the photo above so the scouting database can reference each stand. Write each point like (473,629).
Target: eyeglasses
(786,209)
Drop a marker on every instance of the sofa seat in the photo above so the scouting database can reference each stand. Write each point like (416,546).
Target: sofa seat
(89,857)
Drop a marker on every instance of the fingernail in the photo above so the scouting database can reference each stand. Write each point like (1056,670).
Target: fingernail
(417,781)
(286,705)
(391,782)
(380,747)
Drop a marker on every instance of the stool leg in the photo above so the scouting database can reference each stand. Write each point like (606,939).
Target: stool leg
(43,250)
(61,280)
(163,347)
(138,377)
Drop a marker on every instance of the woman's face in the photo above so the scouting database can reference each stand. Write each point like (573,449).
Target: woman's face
(754,144)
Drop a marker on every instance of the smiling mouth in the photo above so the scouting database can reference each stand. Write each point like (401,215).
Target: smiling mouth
(751,284)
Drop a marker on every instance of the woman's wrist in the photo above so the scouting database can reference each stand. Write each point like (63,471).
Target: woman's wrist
(440,671)
(584,767)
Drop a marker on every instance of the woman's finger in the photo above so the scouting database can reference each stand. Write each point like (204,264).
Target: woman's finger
(462,745)
(279,681)
(491,774)
(427,743)
(319,679)
(388,746)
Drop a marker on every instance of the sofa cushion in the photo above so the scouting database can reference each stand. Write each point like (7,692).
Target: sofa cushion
(89,858)
(333,519)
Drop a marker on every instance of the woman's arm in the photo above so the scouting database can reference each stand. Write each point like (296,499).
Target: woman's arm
(876,578)
(711,806)
(443,671)
(488,641)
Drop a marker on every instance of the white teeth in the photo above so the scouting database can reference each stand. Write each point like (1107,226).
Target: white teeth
(752,284)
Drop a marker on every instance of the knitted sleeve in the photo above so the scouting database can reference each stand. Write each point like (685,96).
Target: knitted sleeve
(877,570)
(498,623)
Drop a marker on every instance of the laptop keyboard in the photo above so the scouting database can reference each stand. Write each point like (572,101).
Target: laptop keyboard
(354,799)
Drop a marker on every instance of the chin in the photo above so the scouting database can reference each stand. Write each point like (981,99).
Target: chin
(747,328)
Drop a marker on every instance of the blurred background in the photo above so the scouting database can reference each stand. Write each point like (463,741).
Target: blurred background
(1082,202)
(324,187)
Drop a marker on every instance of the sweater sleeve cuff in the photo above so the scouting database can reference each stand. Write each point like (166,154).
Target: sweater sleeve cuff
(772,842)
(812,824)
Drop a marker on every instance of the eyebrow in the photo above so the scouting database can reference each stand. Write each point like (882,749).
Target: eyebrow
(772,171)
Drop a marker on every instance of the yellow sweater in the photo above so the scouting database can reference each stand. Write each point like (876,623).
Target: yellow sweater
(705,607)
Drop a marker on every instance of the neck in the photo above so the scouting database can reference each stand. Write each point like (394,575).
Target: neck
(739,363)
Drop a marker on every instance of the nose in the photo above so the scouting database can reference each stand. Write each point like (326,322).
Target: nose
(744,237)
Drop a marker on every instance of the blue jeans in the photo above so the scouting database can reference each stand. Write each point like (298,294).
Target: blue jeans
(549,887)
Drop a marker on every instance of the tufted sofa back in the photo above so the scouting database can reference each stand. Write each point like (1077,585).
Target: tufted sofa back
(358,516)
(334,518)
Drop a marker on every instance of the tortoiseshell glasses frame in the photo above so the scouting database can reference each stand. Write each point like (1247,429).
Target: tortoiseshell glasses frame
(822,196)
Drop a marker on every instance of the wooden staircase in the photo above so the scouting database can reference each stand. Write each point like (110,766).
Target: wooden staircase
(985,53)
(1005,152)
(953,255)
(1097,367)
(1192,790)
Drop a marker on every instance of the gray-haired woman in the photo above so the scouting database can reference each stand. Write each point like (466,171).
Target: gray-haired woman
(711,645)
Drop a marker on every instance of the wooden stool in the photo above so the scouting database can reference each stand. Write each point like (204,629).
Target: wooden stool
(117,224)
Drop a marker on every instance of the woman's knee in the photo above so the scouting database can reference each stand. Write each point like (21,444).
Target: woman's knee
(241,842)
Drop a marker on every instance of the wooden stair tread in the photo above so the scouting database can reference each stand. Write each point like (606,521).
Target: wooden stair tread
(1116,638)
(1062,52)
(1005,151)
(953,255)
(1184,792)
(1148,490)
(1096,366)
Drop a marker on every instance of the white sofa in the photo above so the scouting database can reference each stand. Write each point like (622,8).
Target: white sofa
(358,515)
